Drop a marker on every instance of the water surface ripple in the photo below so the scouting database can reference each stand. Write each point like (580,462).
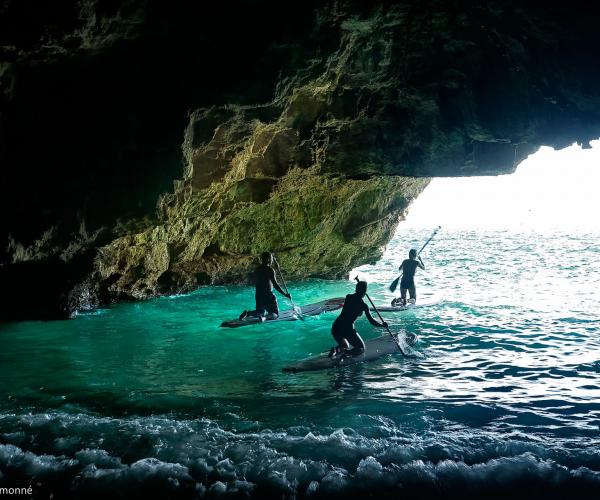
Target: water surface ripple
(503,396)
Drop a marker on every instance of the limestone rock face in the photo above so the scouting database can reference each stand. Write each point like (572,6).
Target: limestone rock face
(317,226)
(261,178)
(149,147)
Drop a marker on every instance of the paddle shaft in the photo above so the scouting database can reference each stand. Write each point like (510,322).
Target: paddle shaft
(430,238)
(294,307)
(382,320)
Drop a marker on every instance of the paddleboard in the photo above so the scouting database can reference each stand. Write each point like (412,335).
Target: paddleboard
(374,349)
(289,314)
(409,306)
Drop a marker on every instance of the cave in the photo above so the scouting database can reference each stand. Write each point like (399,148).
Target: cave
(136,135)
(153,151)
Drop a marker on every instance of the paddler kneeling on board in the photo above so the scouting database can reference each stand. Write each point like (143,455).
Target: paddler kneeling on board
(343,327)
(407,282)
(265,281)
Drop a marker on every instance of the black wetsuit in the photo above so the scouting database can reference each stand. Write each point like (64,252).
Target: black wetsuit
(409,267)
(265,298)
(343,326)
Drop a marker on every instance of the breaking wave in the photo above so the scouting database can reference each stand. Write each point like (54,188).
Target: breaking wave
(81,454)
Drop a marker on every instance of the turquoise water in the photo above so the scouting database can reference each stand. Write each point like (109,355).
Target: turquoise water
(154,397)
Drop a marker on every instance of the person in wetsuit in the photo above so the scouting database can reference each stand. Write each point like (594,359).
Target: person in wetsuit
(265,281)
(407,283)
(343,327)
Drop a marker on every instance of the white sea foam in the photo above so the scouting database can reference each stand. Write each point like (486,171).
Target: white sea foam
(197,457)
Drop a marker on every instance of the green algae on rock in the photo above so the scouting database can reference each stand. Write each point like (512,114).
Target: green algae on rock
(317,226)
(259,178)
(308,138)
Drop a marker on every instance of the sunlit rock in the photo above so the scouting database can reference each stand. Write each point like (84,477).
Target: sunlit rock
(144,152)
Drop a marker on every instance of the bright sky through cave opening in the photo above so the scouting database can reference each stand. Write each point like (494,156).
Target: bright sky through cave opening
(550,191)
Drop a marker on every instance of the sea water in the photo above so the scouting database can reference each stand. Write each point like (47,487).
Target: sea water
(155,398)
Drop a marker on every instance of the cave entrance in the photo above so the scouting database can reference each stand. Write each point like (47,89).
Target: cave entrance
(549,191)
(531,238)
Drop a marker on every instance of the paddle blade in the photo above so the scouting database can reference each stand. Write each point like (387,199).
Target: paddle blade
(298,312)
(406,343)
(394,284)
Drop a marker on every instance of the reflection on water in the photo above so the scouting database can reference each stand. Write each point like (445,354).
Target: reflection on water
(510,371)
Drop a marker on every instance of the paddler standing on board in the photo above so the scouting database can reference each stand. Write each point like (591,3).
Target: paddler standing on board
(407,281)
(343,327)
(265,281)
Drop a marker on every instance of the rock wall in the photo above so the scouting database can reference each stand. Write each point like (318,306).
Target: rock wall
(317,226)
(310,129)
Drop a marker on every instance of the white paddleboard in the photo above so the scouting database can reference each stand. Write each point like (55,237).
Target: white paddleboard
(408,306)
(289,314)
(374,349)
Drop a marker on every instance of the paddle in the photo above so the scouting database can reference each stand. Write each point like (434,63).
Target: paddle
(394,283)
(394,338)
(296,309)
